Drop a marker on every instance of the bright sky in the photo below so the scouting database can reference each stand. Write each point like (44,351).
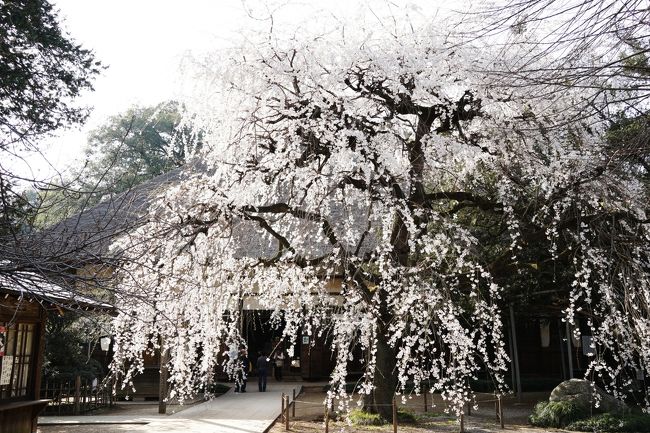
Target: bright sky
(143,41)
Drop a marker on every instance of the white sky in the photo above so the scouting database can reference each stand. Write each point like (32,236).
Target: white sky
(142,43)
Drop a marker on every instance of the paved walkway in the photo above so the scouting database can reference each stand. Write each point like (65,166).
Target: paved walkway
(250,412)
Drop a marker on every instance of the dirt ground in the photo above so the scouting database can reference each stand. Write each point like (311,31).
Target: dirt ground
(310,414)
(121,408)
(310,410)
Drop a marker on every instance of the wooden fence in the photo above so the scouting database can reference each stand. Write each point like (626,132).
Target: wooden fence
(75,397)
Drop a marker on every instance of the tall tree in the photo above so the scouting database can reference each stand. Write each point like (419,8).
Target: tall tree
(371,167)
(42,72)
(137,145)
(128,149)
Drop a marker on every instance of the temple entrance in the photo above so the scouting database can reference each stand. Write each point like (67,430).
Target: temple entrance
(307,362)
(259,333)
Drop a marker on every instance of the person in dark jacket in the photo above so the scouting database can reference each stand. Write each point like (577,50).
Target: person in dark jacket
(262,366)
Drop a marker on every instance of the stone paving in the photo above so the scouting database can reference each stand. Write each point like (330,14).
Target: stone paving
(250,412)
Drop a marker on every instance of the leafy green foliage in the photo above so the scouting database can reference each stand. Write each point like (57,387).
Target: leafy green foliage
(66,343)
(130,148)
(608,422)
(405,416)
(41,71)
(16,212)
(137,145)
(361,417)
(557,414)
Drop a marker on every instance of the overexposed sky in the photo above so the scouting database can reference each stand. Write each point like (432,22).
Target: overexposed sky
(143,41)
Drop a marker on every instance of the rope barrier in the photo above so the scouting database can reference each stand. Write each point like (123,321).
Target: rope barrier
(286,401)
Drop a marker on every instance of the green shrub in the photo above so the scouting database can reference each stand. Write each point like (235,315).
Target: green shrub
(557,414)
(405,416)
(361,417)
(608,422)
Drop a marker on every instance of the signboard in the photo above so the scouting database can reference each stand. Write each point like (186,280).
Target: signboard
(5,372)
(305,339)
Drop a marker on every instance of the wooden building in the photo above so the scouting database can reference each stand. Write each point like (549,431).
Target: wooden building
(25,301)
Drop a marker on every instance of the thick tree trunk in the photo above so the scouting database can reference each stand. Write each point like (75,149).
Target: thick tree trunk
(385,380)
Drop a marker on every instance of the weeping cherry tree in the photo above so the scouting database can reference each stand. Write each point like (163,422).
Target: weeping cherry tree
(370,160)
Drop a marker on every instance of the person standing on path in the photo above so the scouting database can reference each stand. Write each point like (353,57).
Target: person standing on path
(262,369)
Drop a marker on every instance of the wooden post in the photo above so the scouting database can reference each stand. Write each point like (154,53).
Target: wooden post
(394,415)
(515,353)
(501,412)
(327,419)
(462,422)
(60,396)
(293,403)
(282,410)
(110,392)
(469,408)
(568,349)
(496,406)
(77,394)
(426,405)
(286,418)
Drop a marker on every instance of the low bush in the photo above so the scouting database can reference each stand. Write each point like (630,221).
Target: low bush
(405,416)
(557,414)
(361,417)
(613,423)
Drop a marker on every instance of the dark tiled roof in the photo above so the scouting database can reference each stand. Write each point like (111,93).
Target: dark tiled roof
(30,285)
(91,232)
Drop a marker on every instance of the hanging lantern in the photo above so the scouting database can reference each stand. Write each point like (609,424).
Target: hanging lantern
(105,343)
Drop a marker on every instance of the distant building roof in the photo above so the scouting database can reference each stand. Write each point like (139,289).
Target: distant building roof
(91,232)
(34,286)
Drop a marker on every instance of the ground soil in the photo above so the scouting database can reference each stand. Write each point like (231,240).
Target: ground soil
(149,409)
(310,415)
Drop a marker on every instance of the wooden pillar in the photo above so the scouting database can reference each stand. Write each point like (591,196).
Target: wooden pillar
(394,415)
(77,395)
(568,350)
(163,382)
(293,403)
(515,354)
(562,348)
(37,370)
(500,411)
